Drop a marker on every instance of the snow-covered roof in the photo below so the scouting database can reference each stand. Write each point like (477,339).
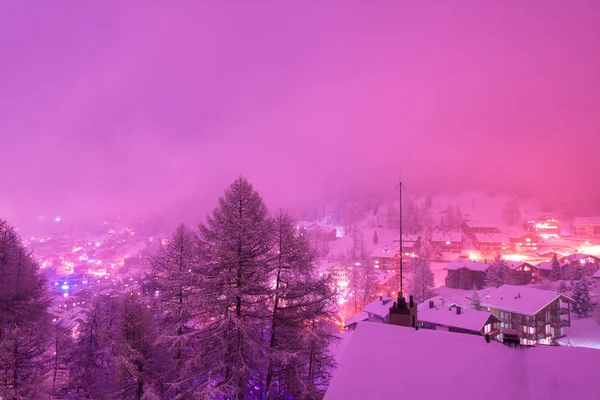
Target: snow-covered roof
(587,221)
(446,315)
(578,257)
(383,361)
(491,238)
(545,265)
(361,316)
(480,224)
(516,264)
(386,252)
(471,265)
(381,277)
(380,307)
(449,236)
(518,299)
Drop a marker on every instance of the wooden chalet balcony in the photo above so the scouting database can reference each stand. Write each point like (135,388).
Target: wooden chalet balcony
(562,311)
(533,336)
(560,324)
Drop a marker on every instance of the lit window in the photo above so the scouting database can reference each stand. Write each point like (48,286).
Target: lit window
(528,240)
(447,242)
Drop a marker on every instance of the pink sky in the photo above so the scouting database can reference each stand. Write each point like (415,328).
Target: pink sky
(107,104)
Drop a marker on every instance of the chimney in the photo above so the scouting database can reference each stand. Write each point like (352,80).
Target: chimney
(458,310)
(431,305)
(380,298)
(411,301)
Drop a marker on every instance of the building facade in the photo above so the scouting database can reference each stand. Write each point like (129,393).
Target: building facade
(539,316)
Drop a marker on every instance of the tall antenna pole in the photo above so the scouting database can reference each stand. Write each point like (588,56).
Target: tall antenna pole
(401,292)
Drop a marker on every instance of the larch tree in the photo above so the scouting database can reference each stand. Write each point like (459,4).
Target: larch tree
(62,347)
(420,279)
(235,252)
(139,363)
(297,299)
(24,321)
(91,364)
(173,283)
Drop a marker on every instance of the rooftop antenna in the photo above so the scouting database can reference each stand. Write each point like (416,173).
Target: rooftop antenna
(399,187)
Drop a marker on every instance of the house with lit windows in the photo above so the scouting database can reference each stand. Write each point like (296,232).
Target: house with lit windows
(525,243)
(539,316)
(587,227)
(447,241)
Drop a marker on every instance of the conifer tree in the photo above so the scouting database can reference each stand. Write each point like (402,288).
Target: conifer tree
(420,279)
(475,300)
(235,251)
(173,284)
(298,299)
(498,273)
(25,327)
(557,272)
(375,237)
(583,303)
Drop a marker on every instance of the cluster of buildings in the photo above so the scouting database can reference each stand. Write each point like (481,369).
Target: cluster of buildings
(96,260)
(470,274)
(525,314)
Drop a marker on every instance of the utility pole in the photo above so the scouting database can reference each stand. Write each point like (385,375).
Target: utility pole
(401,292)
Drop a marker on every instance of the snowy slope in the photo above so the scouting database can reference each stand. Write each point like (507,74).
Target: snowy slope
(390,362)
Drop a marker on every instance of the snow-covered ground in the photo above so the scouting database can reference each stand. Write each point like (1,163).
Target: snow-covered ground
(584,332)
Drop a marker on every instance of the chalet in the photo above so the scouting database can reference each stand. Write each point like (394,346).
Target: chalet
(523,273)
(317,232)
(525,243)
(544,270)
(572,262)
(548,254)
(408,243)
(387,282)
(538,315)
(472,227)
(384,257)
(466,274)
(384,361)
(450,241)
(544,226)
(436,314)
(587,227)
(379,310)
(491,242)
(339,274)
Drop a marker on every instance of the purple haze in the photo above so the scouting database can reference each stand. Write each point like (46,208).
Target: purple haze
(112,105)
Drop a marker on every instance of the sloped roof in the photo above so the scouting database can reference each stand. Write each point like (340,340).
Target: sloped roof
(379,307)
(383,361)
(471,265)
(449,236)
(444,315)
(578,257)
(361,316)
(518,299)
(516,264)
(492,238)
